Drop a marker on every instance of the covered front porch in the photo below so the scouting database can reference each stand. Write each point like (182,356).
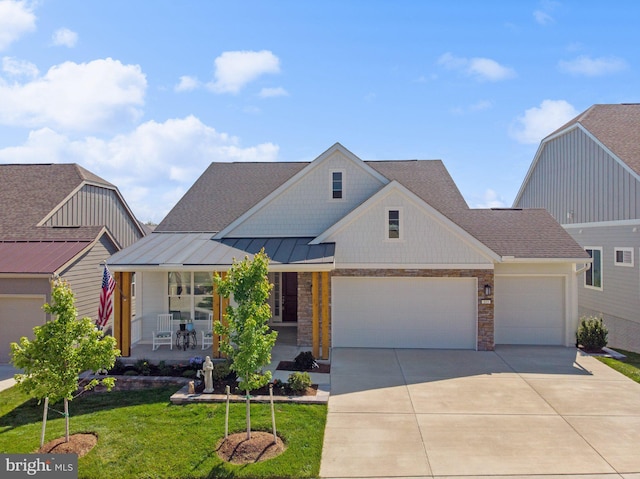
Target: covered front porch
(173,273)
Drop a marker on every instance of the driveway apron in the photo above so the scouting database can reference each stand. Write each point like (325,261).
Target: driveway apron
(516,412)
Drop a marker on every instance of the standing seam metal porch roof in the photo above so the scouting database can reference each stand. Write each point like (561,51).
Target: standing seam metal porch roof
(201,251)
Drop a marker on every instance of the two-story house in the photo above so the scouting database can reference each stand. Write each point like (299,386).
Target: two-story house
(363,254)
(587,175)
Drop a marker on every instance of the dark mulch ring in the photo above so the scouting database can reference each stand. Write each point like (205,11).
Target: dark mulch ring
(219,387)
(237,449)
(291,366)
(79,444)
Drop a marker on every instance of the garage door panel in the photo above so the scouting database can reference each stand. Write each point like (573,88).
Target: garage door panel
(529,310)
(18,316)
(404,312)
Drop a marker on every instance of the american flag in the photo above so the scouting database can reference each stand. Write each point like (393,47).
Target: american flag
(106,298)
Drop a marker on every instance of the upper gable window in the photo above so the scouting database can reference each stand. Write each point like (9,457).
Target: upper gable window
(623,257)
(593,276)
(394,224)
(337,185)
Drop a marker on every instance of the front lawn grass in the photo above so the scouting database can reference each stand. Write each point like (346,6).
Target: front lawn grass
(630,366)
(142,435)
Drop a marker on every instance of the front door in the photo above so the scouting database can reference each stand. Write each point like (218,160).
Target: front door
(290,297)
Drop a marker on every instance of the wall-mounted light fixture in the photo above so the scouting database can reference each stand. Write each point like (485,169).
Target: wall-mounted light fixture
(487,290)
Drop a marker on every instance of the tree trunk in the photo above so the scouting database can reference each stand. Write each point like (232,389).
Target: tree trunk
(66,419)
(248,416)
(44,420)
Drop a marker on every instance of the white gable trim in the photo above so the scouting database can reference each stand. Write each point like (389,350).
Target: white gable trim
(337,147)
(420,203)
(564,132)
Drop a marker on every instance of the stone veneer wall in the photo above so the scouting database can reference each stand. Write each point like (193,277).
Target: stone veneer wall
(485,311)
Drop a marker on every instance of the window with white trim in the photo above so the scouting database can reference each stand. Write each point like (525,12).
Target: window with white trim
(337,185)
(394,223)
(190,295)
(593,276)
(623,257)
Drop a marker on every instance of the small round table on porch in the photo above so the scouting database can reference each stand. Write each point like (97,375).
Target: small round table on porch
(186,339)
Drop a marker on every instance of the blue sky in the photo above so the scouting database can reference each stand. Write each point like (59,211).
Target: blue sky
(147,93)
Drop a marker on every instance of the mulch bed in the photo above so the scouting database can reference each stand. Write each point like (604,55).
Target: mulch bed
(291,366)
(219,387)
(79,444)
(237,449)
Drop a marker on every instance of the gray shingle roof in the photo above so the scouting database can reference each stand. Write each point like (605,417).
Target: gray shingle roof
(616,126)
(29,192)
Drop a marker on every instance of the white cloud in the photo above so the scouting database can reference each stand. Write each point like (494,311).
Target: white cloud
(19,68)
(64,37)
(233,70)
(491,199)
(538,122)
(543,18)
(152,166)
(187,83)
(76,97)
(478,67)
(481,105)
(273,92)
(16,19)
(585,65)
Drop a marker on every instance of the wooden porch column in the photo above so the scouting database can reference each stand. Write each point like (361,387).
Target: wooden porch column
(216,318)
(122,312)
(325,315)
(315,317)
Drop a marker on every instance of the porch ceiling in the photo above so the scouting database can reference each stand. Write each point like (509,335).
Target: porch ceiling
(198,251)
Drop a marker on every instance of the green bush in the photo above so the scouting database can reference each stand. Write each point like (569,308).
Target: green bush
(299,382)
(305,361)
(592,333)
(221,370)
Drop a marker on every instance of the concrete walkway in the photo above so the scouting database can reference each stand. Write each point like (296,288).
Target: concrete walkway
(7,372)
(515,412)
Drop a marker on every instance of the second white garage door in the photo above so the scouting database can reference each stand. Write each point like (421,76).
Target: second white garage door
(404,312)
(529,310)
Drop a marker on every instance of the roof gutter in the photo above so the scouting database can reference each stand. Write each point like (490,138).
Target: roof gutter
(273,267)
(513,259)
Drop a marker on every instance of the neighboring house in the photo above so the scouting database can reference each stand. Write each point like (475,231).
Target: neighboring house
(363,254)
(587,175)
(56,219)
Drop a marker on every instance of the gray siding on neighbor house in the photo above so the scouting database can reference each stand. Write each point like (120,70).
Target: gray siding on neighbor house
(577,181)
(96,206)
(619,300)
(85,277)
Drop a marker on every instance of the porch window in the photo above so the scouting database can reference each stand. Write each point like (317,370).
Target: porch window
(393,224)
(190,295)
(593,276)
(336,185)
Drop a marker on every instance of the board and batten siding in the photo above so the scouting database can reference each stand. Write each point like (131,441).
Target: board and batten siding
(85,277)
(577,181)
(96,206)
(306,208)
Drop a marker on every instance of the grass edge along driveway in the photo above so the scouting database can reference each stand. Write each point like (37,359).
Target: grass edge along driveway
(141,434)
(630,367)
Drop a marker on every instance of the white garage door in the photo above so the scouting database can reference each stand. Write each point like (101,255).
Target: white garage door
(404,312)
(529,310)
(18,316)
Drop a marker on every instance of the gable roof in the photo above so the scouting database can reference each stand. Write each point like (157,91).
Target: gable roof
(28,193)
(616,126)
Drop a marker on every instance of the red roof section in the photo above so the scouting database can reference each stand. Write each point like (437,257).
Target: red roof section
(37,257)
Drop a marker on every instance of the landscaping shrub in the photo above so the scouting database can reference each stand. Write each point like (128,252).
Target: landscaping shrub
(299,382)
(221,370)
(143,367)
(305,360)
(592,333)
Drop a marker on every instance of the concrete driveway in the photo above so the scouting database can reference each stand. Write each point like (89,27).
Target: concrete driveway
(516,412)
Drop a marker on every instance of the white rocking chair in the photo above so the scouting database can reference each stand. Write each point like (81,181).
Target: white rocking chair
(207,334)
(164,331)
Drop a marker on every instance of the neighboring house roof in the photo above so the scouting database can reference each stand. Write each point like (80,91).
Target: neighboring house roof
(38,257)
(616,126)
(28,193)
